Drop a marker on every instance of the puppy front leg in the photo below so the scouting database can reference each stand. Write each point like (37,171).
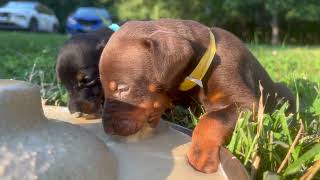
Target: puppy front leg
(210,133)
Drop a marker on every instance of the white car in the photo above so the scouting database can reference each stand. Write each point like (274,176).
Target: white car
(32,16)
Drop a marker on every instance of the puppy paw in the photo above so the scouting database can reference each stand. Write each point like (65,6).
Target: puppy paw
(204,159)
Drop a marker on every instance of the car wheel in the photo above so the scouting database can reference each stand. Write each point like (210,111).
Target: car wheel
(33,25)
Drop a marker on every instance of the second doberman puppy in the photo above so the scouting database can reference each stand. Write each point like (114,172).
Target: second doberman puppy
(77,69)
(148,64)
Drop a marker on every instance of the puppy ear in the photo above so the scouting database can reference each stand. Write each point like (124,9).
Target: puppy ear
(170,54)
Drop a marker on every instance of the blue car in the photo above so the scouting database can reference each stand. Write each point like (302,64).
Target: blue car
(86,19)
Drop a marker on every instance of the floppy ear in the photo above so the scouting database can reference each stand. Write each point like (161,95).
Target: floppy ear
(170,54)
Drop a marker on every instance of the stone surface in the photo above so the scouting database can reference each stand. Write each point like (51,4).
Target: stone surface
(63,147)
(31,147)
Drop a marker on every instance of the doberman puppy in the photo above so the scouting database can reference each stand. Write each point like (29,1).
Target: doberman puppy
(145,65)
(77,69)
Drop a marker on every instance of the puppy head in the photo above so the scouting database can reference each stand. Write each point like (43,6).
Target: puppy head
(86,95)
(138,67)
(77,70)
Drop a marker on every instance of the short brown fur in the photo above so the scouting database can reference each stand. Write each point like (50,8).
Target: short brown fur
(160,54)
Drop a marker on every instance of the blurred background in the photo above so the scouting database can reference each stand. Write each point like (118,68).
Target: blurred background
(288,21)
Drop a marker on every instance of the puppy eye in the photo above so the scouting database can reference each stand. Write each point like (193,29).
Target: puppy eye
(86,78)
(83,79)
(123,88)
(87,82)
(122,91)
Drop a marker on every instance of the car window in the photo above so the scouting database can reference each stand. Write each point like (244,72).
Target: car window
(20,5)
(44,10)
(91,11)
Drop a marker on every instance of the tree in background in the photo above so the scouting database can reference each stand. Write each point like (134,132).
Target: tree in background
(245,13)
(143,9)
(296,21)
(268,11)
(277,8)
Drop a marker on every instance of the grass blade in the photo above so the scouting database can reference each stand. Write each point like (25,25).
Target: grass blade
(291,149)
(296,165)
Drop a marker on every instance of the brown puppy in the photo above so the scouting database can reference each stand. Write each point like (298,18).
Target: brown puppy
(144,63)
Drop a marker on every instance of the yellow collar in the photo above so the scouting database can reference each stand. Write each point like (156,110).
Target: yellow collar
(195,78)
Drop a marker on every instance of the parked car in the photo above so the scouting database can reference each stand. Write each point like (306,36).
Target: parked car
(27,15)
(86,19)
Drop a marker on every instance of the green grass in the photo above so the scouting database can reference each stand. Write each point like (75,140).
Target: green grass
(31,57)
(261,145)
